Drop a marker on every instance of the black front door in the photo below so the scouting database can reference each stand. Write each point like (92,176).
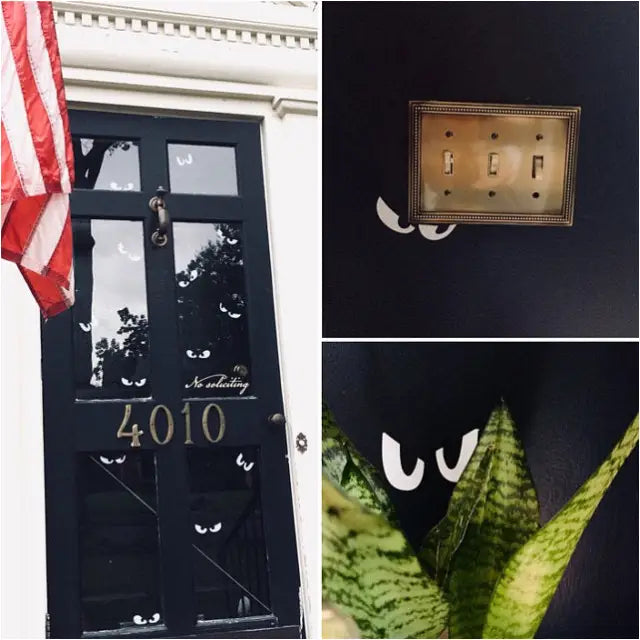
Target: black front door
(169,508)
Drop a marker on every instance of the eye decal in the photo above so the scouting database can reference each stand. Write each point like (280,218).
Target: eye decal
(129,186)
(216,527)
(121,249)
(392,465)
(121,459)
(115,186)
(201,530)
(106,460)
(139,620)
(247,466)
(183,283)
(85,326)
(191,354)
(193,274)
(154,618)
(205,354)
(183,161)
(234,315)
(125,382)
(222,308)
(141,382)
(244,606)
(232,240)
(469,442)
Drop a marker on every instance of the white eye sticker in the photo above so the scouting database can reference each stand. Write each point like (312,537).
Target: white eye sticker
(244,606)
(216,527)
(183,161)
(201,530)
(139,620)
(125,382)
(183,283)
(392,465)
(222,308)
(193,274)
(205,354)
(115,186)
(232,240)
(154,618)
(121,459)
(191,354)
(141,382)
(129,186)
(239,460)
(86,327)
(234,315)
(469,442)
(247,466)
(105,460)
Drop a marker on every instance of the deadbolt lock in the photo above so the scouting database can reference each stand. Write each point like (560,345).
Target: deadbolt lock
(492,164)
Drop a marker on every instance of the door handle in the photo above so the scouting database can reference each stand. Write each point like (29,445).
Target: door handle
(157,204)
(277,419)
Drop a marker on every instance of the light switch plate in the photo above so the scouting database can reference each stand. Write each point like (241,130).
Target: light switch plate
(472,163)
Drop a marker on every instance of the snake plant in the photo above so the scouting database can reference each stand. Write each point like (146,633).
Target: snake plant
(486,570)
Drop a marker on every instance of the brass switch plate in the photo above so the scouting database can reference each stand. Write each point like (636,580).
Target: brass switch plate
(473,163)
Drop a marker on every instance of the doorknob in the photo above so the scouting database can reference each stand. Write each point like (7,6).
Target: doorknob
(277,419)
(157,205)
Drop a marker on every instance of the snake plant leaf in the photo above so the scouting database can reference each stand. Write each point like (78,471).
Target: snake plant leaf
(532,575)
(371,573)
(347,468)
(444,539)
(503,517)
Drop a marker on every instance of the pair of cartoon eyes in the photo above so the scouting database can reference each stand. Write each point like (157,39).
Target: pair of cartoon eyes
(247,466)
(192,275)
(183,161)
(395,474)
(134,257)
(138,383)
(192,354)
(116,187)
(231,241)
(225,310)
(139,620)
(202,530)
(119,460)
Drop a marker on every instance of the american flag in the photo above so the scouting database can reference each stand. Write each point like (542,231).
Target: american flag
(37,156)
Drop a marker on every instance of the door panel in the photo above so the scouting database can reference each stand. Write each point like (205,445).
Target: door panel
(158,386)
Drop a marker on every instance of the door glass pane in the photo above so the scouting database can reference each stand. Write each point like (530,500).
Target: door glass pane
(119,564)
(104,163)
(205,169)
(212,312)
(230,568)
(110,326)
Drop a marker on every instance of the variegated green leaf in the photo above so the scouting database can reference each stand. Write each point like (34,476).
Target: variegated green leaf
(532,575)
(371,573)
(503,516)
(347,468)
(444,539)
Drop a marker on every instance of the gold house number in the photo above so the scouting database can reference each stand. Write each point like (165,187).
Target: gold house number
(136,432)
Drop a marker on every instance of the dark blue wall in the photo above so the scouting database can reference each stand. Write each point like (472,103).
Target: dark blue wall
(481,280)
(571,403)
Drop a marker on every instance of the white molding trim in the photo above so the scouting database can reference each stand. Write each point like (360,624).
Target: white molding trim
(186,25)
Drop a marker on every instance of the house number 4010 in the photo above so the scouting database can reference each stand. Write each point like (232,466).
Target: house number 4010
(136,432)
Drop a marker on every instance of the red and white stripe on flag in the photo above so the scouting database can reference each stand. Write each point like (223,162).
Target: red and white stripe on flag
(37,155)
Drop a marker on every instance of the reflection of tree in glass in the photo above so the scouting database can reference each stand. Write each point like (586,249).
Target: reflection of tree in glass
(211,306)
(129,359)
(88,165)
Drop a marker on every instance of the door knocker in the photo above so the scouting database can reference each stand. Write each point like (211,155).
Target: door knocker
(157,204)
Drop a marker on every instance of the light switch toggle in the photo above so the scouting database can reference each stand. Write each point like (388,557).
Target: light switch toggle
(493,164)
(536,171)
(448,163)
